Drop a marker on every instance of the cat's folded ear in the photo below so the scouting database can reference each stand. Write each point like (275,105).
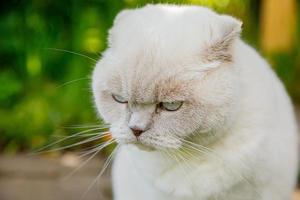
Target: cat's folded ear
(219,48)
(120,16)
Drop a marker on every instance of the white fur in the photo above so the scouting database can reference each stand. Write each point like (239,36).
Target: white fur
(234,106)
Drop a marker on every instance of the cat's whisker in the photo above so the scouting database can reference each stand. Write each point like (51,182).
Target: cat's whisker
(184,154)
(101,146)
(197,150)
(94,152)
(83,135)
(210,152)
(166,157)
(197,145)
(95,149)
(72,52)
(103,126)
(189,167)
(104,134)
(178,162)
(201,149)
(106,164)
(72,145)
(81,165)
(185,166)
(170,155)
(187,151)
(72,81)
(40,150)
(193,155)
(189,146)
(87,149)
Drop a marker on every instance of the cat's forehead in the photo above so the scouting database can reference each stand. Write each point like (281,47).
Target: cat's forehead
(152,84)
(172,31)
(152,48)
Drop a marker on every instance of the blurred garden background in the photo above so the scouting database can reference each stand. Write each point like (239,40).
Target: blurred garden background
(43,89)
(45,82)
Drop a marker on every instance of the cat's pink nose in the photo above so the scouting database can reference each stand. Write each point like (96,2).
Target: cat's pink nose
(137,132)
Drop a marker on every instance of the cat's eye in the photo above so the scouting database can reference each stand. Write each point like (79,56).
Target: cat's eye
(119,98)
(171,106)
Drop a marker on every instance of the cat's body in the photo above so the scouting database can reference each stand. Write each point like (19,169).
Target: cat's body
(240,130)
(261,146)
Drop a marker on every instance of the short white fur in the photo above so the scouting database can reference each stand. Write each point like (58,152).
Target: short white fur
(235,135)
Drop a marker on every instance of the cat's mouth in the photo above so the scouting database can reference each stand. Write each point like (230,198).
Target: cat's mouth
(138,143)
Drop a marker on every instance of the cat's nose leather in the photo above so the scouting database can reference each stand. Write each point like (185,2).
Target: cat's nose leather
(137,132)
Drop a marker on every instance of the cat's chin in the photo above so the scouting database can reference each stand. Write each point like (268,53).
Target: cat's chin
(143,147)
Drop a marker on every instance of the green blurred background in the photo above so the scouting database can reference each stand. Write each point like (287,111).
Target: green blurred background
(43,90)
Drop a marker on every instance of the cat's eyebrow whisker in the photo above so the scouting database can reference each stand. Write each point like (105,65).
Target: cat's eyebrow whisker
(95,151)
(72,52)
(73,81)
(106,164)
(38,151)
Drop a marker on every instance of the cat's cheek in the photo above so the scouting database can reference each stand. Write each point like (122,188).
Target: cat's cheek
(121,134)
(109,110)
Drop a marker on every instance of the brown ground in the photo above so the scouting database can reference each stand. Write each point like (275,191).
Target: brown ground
(40,178)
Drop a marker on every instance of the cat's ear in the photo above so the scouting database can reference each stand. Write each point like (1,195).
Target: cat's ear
(120,16)
(219,49)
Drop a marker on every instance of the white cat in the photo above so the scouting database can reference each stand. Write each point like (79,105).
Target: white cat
(197,113)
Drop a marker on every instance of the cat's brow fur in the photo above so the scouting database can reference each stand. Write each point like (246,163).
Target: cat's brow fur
(233,138)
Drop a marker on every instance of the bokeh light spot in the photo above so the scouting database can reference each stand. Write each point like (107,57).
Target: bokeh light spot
(33,64)
(92,42)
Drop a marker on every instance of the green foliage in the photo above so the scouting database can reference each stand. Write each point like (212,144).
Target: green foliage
(43,90)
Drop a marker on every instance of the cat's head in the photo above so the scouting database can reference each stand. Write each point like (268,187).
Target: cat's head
(169,73)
